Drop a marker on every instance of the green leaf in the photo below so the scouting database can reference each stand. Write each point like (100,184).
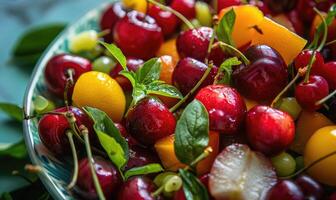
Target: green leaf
(131,76)
(149,71)
(192,187)
(17,150)
(12,110)
(117,54)
(143,170)
(163,89)
(109,136)
(139,92)
(225,27)
(225,71)
(192,132)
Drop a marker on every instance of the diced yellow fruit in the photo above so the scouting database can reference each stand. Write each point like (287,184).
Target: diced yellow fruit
(169,48)
(287,43)
(138,5)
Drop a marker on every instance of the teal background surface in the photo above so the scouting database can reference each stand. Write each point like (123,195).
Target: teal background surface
(16,16)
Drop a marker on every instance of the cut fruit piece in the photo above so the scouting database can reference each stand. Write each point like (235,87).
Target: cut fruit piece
(165,150)
(240,173)
(247,16)
(169,48)
(287,43)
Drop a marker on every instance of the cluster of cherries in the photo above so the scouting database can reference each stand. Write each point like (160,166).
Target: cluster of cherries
(266,129)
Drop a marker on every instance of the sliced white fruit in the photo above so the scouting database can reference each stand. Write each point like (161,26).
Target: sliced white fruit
(239,173)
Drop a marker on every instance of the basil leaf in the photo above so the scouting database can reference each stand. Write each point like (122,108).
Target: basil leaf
(139,92)
(225,27)
(163,89)
(192,132)
(117,54)
(143,170)
(149,71)
(225,71)
(17,150)
(12,111)
(109,136)
(192,187)
(130,76)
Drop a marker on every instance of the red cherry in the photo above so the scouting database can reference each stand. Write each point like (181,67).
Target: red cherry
(226,107)
(56,69)
(185,7)
(188,72)
(297,23)
(256,52)
(146,37)
(306,9)
(130,140)
(310,188)
(329,73)
(165,19)
(261,5)
(285,189)
(52,129)
(111,15)
(332,196)
(108,176)
(149,121)
(307,94)
(221,4)
(280,6)
(303,59)
(269,130)
(140,156)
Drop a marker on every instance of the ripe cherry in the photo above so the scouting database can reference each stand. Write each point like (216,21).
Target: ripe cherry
(140,156)
(129,139)
(256,52)
(285,189)
(165,19)
(261,5)
(303,59)
(221,4)
(329,73)
(280,6)
(188,72)
(309,93)
(146,38)
(269,130)
(225,106)
(149,121)
(108,176)
(297,23)
(56,72)
(111,15)
(306,8)
(310,188)
(185,7)
(52,129)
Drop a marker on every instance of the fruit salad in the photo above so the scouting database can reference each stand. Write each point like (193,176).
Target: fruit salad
(197,100)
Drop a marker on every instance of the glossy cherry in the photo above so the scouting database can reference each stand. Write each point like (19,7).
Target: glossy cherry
(307,94)
(185,7)
(280,6)
(137,188)
(130,140)
(140,156)
(149,121)
(269,130)
(188,72)
(225,106)
(329,73)
(52,129)
(303,59)
(310,188)
(56,72)
(221,4)
(256,52)
(285,189)
(294,18)
(111,15)
(108,176)
(138,35)
(306,8)
(165,19)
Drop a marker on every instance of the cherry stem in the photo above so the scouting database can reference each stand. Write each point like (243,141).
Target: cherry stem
(201,157)
(177,14)
(325,30)
(91,163)
(309,67)
(69,82)
(232,48)
(331,43)
(322,101)
(212,39)
(309,166)
(159,190)
(103,33)
(192,91)
(75,160)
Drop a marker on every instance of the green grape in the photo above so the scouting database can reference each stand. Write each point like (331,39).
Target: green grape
(92,54)
(163,177)
(173,184)
(299,163)
(42,105)
(103,64)
(284,164)
(195,22)
(291,106)
(84,41)
(203,13)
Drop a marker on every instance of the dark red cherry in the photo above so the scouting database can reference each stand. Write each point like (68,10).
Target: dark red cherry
(188,72)
(185,7)
(137,188)
(269,130)
(303,59)
(221,4)
(108,176)
(285,190)
(111,15)
(329,73)
(261,5)
(297,23)
(280,6)
(140,156)
(306,9)
(138,35)
(256,52)
(332,196)
(310,188)
(149,121)
(56,72)
(307,94)
(165,19)
(52,129)
(130,140)
(225,106)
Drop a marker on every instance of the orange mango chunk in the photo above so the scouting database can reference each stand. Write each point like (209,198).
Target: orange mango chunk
(247,16)
(287,43)
(169,48)
(166,152)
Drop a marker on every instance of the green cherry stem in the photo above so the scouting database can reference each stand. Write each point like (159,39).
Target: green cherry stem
(331,43)
(75,160)
(201,157)
(309,67)
(325,30)
(232,48)
(322,101)
(103,33)
(99,191)
(177,14)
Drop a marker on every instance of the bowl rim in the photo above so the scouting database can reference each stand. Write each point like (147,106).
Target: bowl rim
(50,185)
